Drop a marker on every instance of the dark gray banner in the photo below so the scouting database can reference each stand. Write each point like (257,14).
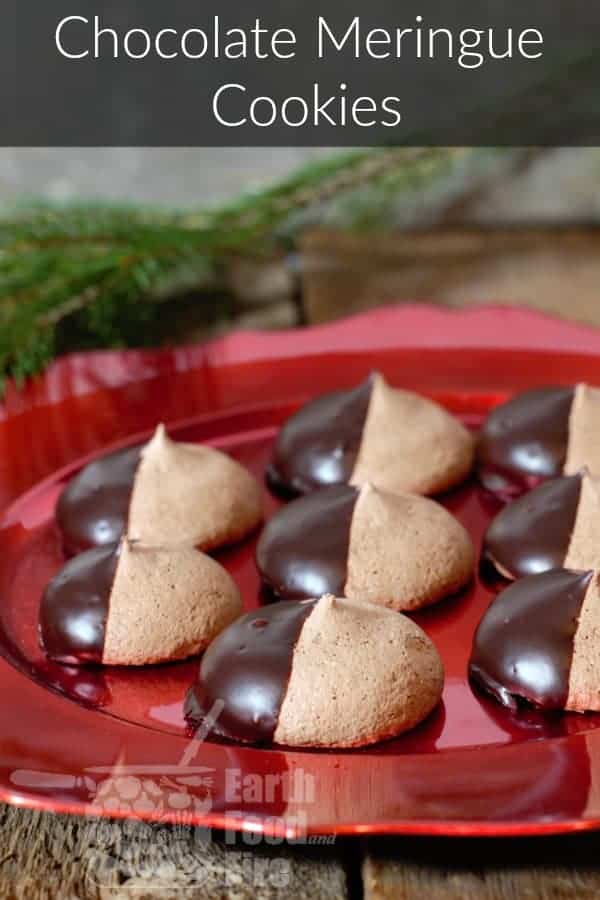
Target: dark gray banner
(285,72)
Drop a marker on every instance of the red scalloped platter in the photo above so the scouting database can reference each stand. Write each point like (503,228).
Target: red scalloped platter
(113,741)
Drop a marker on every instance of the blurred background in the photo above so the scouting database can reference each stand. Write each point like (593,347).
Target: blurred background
(454,227)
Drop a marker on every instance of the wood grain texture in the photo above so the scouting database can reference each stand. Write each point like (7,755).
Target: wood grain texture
(47,857)
(552,868)
(532,267)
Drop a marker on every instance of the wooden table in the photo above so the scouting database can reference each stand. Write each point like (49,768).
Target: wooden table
(69,858)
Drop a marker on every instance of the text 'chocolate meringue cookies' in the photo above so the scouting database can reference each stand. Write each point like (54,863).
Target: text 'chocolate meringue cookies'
(539,642)
(540,434)
(314,674)
(394,438)
(165,493)
(135,605)
(398,550)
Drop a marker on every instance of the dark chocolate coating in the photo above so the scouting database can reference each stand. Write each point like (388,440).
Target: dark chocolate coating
(92,510)
(532,534)
(303,550)
(319,444)
(74,607)
(248,667)
(525,440)
(523,647)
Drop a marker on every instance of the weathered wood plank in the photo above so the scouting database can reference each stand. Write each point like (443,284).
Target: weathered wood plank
(47,857)
(552,868)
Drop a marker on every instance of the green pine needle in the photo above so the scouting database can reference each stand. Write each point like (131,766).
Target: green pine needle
(100,269)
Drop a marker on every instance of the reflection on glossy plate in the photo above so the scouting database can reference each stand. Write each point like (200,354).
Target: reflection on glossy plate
(114,742)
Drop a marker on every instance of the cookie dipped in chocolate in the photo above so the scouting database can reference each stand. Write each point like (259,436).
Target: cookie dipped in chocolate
(532,534)
(165,494)
(92,510)
(245,671)
(303,550)
(136,605)
(74,608)
(524,441)
(523,647)
(318,446)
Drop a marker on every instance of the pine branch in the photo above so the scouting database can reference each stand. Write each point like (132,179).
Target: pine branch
(101,267)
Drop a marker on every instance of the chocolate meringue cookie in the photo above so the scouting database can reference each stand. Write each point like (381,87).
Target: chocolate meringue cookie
(391,437)
(165,493)
(398,550)
(540,434)
(287,673)
(539,640)
(553,526)
(130,604)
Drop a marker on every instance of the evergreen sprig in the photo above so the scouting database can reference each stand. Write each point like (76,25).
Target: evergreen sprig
(102,268)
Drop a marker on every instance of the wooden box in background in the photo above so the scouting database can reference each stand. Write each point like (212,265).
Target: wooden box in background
(555,269)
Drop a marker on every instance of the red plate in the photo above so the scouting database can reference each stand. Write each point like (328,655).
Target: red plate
(113,742)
